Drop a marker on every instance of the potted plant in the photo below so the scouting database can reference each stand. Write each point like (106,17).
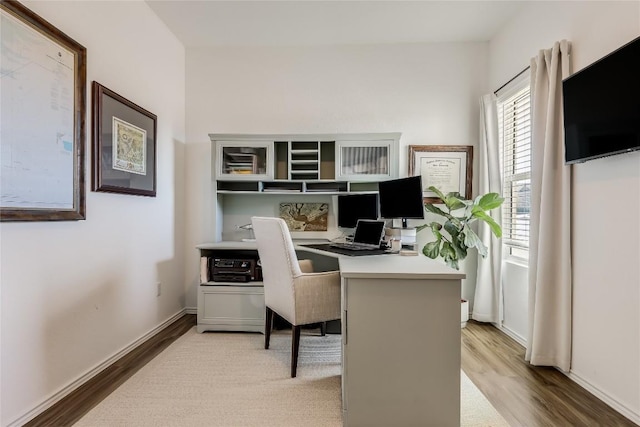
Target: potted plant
(454,236)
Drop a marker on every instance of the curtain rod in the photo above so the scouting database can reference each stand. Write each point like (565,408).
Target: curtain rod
(495,92)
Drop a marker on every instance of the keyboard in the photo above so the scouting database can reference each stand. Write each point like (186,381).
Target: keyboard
(354,246)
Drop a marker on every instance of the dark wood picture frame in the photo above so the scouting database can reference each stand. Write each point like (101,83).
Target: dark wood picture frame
(134,172)
(442,164)
(63,203)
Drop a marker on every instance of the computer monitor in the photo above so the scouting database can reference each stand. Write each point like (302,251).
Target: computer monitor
(401,198)
(352,207)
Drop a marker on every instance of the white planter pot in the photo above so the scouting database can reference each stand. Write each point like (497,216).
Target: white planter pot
(464,313)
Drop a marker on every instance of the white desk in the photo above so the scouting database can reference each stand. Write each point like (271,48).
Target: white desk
(400,340)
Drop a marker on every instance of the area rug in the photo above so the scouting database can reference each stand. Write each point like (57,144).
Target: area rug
(228,379)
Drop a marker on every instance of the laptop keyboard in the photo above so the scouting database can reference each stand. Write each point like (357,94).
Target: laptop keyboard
(353,246)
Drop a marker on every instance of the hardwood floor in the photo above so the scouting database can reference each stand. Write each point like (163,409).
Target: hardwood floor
(526,396)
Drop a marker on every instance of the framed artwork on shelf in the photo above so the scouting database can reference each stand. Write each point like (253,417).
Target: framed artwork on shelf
(42,137)
(305,216)
(446,167)
(124,145)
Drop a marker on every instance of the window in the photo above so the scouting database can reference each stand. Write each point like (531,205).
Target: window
(514,125)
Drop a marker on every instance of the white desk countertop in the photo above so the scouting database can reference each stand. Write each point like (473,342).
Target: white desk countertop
(380,266)
(397,267)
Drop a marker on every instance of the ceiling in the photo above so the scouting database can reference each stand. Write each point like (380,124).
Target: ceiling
(314,23)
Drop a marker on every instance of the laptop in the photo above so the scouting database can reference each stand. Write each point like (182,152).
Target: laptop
(368,236)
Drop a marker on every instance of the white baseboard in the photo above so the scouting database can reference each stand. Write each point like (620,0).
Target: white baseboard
(72,386)
(513,335)
(191,310)
(615,404)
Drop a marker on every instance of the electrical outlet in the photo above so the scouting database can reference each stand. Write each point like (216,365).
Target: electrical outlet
(159,285)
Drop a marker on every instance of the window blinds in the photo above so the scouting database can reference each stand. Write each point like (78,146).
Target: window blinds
(514,125)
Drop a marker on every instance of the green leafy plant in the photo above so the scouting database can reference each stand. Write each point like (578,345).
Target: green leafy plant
(459,238)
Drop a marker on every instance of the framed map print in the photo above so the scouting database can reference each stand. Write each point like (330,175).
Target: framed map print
(43,113)
(124,145)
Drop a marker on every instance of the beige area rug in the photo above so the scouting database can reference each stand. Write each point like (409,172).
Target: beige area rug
(228,379)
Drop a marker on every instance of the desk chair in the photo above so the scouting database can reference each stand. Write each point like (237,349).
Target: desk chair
(301,298)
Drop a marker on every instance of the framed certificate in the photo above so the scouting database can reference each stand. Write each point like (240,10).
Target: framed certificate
(446,167)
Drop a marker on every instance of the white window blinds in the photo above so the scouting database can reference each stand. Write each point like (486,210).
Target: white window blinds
(514,124)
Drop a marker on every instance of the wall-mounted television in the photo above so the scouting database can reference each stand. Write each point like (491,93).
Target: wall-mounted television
(602,106)
(401,198)
(352,207)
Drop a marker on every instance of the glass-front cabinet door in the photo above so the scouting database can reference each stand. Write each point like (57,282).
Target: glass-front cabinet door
(250,160)
(365,160)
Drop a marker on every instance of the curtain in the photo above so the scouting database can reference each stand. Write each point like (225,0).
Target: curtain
(486,305)
(550,287)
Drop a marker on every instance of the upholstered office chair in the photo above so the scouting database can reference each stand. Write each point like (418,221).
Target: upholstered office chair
(299,297)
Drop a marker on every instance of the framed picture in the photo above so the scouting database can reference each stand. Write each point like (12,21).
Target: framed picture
(124,145)
(43,119)
(305,216)
(446,167)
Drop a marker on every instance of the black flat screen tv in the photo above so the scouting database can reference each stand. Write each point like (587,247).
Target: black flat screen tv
(401,198)
(352,207)
(601,106)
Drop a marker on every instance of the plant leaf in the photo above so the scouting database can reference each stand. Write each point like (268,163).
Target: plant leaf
(438,193)
(495,228)
(435,229)
(452,228)
(457,243)
(470,237)
(432,249)
(454,201)
(422,227)
(447,251)
(434,209)
(490,201)
(471,240)
(449,255)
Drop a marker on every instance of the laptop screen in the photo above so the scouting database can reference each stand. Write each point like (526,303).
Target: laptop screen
(369,232)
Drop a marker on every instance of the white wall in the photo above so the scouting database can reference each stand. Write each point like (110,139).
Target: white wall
(606,202)
(429,93)
(76,293)
(515,299)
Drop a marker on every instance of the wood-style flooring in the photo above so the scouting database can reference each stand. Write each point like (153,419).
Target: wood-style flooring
(526,396)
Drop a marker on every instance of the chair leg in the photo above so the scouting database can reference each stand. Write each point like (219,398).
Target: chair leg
(268,322)
(323,328)
(295,345)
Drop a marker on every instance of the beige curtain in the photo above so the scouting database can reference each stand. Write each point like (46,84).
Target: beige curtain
(486,304)
(549,342)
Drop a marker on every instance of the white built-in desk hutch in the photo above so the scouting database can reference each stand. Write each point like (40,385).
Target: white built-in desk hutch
(400,315)
(252,175)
